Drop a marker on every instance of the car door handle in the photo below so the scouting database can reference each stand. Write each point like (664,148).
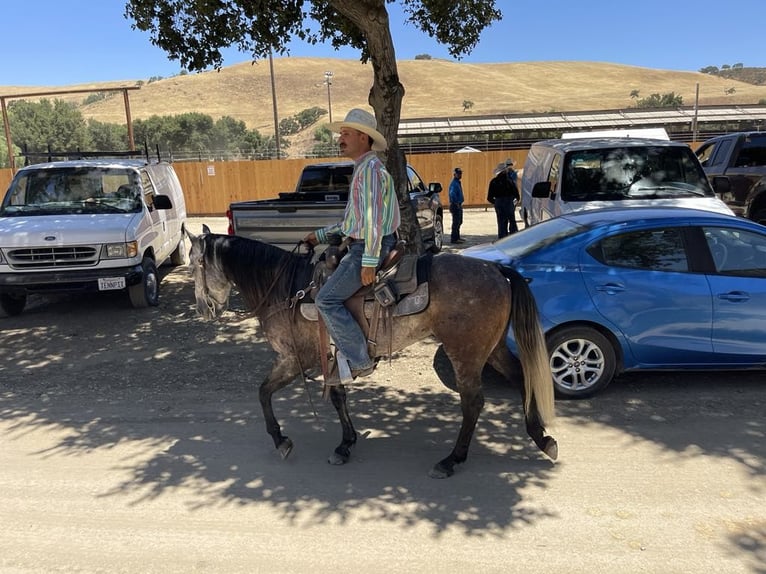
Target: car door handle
(734,296)
(610,288)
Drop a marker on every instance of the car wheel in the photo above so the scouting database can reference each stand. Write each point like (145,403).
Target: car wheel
(13,304)
(179,255)
(582,362)
(438,234)
(146,293)
(759,216)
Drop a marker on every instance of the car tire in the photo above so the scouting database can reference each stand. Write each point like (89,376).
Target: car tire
(438,240)
(146,293)
(180,255)
(582,362)
(13,304)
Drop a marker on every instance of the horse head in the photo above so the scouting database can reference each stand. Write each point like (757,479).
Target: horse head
(211,286)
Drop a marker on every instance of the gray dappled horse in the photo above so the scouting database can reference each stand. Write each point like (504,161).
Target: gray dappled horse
(471,305)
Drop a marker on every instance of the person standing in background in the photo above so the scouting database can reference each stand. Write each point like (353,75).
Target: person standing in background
(456,199)
(504,195)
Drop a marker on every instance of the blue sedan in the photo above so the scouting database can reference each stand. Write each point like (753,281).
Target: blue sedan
(642,288)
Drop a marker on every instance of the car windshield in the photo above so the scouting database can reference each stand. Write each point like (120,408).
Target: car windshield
(58,191)
(633,172)
(537,236)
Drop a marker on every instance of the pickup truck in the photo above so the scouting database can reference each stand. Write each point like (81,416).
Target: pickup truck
(320,199)
(736,165)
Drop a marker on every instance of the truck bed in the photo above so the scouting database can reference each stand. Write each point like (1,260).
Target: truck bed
(283,223)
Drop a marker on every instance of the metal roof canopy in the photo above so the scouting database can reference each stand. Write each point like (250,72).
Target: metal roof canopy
(579,120)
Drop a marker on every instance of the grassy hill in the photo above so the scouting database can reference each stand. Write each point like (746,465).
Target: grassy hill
(434,88)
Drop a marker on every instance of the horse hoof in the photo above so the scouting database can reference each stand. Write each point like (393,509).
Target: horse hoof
(439,471)
(551,448)
(285,448)
(336,459)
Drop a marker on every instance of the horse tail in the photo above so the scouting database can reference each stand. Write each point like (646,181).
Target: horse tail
(533,352)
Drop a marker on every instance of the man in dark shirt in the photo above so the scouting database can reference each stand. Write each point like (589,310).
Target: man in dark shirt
(504,195)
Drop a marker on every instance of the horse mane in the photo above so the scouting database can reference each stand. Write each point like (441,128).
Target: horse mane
(265,275)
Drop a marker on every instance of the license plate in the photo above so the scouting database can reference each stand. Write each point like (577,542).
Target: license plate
(111,283)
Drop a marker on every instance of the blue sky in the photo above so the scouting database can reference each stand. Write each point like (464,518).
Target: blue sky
(65,42)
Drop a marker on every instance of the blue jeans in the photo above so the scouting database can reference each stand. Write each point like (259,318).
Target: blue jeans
(506,216)
(342,284)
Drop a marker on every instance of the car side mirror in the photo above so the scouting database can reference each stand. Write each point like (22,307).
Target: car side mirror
(721,184)
(542,189)
(434,187)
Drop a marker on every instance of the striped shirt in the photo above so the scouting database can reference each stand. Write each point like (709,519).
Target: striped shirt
(372,211)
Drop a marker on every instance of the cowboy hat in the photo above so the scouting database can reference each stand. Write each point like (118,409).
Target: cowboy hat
(364,122)
(503,165)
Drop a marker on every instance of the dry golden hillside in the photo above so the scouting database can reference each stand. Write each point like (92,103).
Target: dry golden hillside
(434,88)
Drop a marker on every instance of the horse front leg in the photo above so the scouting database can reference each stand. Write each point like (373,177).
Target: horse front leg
(471,404)
(283,372)
(343,451)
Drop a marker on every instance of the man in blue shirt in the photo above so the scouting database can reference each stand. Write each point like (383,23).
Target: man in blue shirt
(456,205)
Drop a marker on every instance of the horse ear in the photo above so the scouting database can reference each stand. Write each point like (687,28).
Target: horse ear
(205,229)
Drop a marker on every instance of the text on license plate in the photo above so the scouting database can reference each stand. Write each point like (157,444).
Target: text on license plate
(110,283)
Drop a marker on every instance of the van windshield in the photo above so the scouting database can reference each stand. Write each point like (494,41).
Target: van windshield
(633,172)
(53,191)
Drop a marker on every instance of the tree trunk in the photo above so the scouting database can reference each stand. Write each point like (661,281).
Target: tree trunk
(386,96)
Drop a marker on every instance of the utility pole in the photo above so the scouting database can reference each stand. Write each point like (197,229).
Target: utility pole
(328,80)
(274,102)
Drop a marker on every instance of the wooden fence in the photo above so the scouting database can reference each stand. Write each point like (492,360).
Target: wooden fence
(209,187)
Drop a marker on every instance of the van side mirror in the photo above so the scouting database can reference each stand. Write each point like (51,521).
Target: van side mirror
(434,187)
(542,189)
(162,202)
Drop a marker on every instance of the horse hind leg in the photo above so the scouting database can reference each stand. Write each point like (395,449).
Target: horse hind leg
(471,405)
(342,452)
(505,364)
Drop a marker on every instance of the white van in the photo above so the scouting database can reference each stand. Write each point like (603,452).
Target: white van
(566,175)
(90,225)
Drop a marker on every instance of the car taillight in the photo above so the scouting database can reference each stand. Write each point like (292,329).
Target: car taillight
(230,230)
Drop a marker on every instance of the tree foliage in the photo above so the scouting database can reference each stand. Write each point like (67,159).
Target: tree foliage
(37,126)
(195,32)
(54,124)
(668,100)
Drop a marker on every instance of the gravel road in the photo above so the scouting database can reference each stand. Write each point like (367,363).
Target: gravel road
(132,441)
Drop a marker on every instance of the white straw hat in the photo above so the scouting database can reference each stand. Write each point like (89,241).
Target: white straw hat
(364,122)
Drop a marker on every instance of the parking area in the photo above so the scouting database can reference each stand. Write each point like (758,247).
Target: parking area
(133,441)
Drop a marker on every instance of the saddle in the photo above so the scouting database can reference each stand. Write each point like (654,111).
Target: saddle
(401,284)
(400,288)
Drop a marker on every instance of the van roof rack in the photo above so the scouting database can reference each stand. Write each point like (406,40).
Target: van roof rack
(79,154)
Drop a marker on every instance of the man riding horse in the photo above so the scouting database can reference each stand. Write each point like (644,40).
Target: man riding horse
(369,223)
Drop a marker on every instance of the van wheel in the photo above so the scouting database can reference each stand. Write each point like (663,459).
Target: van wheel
(179,256)
(438,234)
(13,304)
(147,292)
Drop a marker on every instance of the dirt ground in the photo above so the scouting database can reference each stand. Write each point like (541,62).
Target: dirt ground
(132,441)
